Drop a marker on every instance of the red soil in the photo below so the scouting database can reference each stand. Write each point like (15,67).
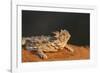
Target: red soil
(79,53)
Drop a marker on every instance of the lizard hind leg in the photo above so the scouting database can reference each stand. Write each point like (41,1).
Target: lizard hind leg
(41,54)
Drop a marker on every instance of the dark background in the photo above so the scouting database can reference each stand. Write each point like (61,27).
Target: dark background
(43,23)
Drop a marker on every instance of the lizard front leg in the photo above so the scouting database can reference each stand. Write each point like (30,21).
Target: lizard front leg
(69,48)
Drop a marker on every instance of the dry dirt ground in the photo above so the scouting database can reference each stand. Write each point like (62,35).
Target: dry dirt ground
(80,52)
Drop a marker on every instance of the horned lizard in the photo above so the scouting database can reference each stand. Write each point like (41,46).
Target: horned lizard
(43,44)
